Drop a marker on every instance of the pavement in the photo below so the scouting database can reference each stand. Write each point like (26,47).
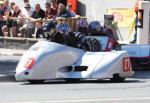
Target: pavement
(11,52)
(9,58)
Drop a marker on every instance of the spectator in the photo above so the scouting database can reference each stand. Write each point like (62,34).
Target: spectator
(1,13)
(1,17)
(7,16)
(37,17)
(15,15)
(38,13)
(62,12)
(62,2)
(12,22)
(23,10)
(26,1)
(48,11)
(6,7)
(11,6)
(17,11)
(54,8)
(8,10)
(28,26)
(1,10)
(69,9)
(51,10)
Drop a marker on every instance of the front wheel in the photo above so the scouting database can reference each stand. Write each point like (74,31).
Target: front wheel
(116,78)
(36,81)
(72,80)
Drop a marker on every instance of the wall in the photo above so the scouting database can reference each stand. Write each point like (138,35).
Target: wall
(95,10)
(16,43)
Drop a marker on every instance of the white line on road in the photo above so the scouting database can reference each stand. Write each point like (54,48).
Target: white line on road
(89,100)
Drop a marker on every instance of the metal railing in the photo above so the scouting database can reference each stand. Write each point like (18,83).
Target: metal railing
(33,32)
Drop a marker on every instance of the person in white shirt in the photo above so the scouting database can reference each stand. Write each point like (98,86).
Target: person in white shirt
(28,25)
(23,9)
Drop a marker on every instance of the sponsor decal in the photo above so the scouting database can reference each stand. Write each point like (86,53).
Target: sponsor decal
(126,64)
(36,48)
(29,63)
(123,16)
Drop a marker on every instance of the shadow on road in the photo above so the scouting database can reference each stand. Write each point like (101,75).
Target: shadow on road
(81,82)
(138,75)
(11,78)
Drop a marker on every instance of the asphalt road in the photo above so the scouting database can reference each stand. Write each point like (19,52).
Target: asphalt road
(133,90)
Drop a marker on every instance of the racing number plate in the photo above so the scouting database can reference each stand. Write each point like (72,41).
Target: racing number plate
(126,64)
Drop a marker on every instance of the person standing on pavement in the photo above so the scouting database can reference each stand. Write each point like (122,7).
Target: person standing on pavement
(137,15)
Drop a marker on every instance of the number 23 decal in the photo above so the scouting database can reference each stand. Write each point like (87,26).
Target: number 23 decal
(126,64)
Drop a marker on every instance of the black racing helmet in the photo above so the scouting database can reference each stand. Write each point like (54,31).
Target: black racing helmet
(63,27)
(48,26)
(82,25)
(94,27)
(47,29)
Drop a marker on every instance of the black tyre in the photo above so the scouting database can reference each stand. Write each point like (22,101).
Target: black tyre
(72,80)
(116,78)
(36,81)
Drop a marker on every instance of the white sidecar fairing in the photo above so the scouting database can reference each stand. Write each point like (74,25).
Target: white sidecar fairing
(44,58)
(98,65)
(48,60)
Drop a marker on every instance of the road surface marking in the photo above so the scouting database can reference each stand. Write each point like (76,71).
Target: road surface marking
(88,100)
